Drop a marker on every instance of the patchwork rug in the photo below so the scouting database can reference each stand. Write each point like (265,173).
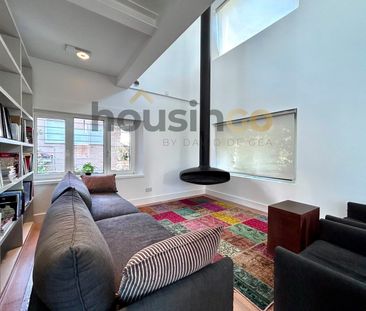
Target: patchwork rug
(244,239)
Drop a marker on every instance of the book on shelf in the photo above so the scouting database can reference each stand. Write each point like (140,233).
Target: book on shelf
(11,208)
(2,133)
(15,131)
(5,122)
(9,166)
(23,134)
(16,126)
(27,192)
(29,134)
(27,163)
(5,223)
(14,200)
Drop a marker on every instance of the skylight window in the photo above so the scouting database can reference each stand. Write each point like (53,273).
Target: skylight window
(239,20)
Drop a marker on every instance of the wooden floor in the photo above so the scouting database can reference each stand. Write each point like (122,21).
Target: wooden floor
(16,291)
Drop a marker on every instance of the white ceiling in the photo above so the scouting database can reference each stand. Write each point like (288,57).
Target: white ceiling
(125,37)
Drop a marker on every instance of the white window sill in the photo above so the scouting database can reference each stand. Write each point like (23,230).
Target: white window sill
(262,178)
(52,181)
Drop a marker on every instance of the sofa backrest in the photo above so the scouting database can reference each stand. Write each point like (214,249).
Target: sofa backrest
(73,267)
(71,181)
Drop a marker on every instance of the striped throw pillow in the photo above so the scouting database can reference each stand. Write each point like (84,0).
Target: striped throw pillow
(165,262)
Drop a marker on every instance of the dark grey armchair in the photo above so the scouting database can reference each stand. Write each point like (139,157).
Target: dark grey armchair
(356,215)
(328,275)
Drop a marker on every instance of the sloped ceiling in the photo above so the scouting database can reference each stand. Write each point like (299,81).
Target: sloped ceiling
(125,37)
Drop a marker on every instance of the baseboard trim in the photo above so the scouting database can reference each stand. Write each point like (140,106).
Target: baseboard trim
(38,218)
(166,197)
(239,200)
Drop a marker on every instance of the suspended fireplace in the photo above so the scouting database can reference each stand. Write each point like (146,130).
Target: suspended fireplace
(204,174)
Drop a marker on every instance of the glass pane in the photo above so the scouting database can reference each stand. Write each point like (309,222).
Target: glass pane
(263,147)
(50,146)
(120,149)
(88,144)
(239,20)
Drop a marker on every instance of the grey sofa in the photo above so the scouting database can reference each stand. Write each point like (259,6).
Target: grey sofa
(82,250)
(330,274)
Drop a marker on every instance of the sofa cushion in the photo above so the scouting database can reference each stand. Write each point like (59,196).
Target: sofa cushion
(72,181)
(126,235)
(347,221)
(100,183)
(73,268)
(167,262)
(107,205)
(337,258)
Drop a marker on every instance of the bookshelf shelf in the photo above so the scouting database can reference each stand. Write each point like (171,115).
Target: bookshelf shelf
(26,115)
(8,264)
(8,62)
(25,86)
(27,145)
(16,99)
(4,235)
(7,100)
(15,182)
(8,141)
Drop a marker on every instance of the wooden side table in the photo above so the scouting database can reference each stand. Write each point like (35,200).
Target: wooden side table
(292,225)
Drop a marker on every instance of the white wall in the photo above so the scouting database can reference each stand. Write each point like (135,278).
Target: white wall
(66,89)
(176,72)
(314,60)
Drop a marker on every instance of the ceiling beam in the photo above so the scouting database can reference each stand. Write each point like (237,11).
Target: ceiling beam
(121,13)
(177,18)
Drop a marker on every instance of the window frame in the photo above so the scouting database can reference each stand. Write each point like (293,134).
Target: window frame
(105,129)
(132,169)
(55,116)
(215,26)
(69,144)
(293,111)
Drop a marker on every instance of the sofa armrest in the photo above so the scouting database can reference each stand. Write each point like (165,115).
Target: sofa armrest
(304,285)
(211,288)
(345,236)
(356,211)
(347,221)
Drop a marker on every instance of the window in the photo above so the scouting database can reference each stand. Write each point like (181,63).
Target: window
(263,146)
(66,142)
(88,144)
(239,20)
(122,149)
(50,146)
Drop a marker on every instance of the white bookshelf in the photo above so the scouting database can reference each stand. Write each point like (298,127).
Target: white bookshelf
(16,93)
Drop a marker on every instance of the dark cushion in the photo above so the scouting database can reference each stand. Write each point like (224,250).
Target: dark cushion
(347,221)
(107,205)
(126,235)
(167,262)
(337,258)
(71,181)
(100,183)
(356,211)
(73,267)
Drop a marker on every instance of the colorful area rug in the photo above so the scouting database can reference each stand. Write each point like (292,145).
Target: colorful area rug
(244,239)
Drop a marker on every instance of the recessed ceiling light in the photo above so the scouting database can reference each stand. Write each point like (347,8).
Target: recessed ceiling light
(81,53)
